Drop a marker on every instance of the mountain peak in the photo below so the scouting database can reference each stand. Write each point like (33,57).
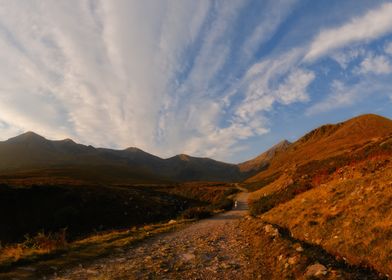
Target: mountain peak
(29,136)
(368,117)
(183,157)
(133,149)
(283,143)
(366,126)
(263,159)
(69,140)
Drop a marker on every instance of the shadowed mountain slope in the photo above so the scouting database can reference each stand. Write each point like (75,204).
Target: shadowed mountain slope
(31,155)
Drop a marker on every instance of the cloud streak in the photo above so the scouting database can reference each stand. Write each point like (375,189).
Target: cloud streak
(198,77)
(370,26)
(128,73)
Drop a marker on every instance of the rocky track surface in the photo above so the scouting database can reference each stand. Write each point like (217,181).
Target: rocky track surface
(216,248)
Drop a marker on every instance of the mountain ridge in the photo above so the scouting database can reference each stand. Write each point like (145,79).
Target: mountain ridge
(32,151)
(327,141)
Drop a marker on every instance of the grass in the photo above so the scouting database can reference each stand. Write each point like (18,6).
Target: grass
(269,201)
(276,257)
(341,203)
(48,254)
(215,197)
(43,249)
(263,183)
(333,141)
(350,218)
(87,209)
(207,192)
(369,158)
(82,209)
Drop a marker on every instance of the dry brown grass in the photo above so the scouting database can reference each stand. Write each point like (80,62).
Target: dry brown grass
(350,218)
(208,192)
(281,183)
(51,252)
(39,244)
(329,141)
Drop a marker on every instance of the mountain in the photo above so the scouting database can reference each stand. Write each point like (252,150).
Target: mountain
(262,160)
(185,168)
(32,156)
(332,189)
(327,141)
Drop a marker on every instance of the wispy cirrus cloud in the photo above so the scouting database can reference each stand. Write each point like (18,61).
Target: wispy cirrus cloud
(367,27)
(377,64)
(346,95)
(126,73)
(198,77)
(388,48)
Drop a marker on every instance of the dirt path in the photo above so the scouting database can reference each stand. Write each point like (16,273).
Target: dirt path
(215,248)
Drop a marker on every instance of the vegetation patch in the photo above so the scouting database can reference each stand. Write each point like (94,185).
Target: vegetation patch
(269,201)
(45,254)
(353,218)
(264,182)
(82,209)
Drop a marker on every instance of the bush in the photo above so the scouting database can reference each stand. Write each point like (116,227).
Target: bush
(196,213)
(225,204)
(268,202)
(42,241)
(231,191)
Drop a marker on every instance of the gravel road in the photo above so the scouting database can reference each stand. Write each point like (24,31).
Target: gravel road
(214,248)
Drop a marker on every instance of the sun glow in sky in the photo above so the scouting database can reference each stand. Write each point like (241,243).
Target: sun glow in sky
(222,79)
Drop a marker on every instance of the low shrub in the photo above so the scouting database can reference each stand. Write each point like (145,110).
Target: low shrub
(196,213)
(268,202)
(43,241)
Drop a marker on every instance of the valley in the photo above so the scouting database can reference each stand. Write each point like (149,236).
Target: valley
(316,208)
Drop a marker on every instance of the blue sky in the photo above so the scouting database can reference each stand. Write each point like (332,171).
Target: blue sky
(222,79)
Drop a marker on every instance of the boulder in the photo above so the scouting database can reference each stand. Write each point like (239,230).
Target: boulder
(315,270)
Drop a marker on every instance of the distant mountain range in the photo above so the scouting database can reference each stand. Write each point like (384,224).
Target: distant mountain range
(32,156)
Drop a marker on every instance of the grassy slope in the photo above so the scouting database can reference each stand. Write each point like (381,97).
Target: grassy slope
(335,194)
(326,142)
(350,218)
(211,193)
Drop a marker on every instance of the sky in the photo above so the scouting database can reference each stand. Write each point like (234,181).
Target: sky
(223,79)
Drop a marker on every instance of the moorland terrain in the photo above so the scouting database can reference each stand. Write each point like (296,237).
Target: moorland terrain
(319,207)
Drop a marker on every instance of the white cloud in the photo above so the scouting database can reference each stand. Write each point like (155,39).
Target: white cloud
(168,76)
(344,95)
(341,96)
(377,64)
(370,26)
(388,48)
(268,81)
(294,87)
(126,73)
(271,16)
(345,57)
